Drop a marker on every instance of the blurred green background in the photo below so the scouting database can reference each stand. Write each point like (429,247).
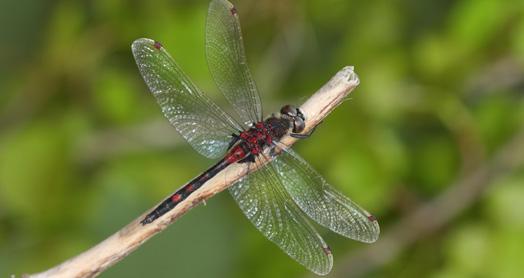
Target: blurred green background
(430,142)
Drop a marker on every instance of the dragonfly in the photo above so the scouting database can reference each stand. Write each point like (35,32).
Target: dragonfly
(279,197)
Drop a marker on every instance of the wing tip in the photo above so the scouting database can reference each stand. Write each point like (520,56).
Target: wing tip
(217,4)
(376,230)
(371,240)
(326,269)
(141,42)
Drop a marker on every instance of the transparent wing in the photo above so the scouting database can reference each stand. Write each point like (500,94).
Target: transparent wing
(322,202)
(195,116)
(264,201)
(227,61)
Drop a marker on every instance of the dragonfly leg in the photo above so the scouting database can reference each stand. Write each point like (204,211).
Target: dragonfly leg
(301,136)
(305,135)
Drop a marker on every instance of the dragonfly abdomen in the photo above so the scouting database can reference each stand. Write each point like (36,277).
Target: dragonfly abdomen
(184,192)
(235,154)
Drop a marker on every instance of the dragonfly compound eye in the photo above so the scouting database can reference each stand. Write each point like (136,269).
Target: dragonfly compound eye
(298,124)
(289,110)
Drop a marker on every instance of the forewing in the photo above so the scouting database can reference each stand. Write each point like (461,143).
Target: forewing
(195,116)
(269,207)
(322,202)
(227,61)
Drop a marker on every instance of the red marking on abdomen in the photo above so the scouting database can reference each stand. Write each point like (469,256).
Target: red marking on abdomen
(157,45)
(189,188)
(236,154)
(176,198)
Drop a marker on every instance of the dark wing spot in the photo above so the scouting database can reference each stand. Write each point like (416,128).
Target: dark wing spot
(372,218)
(233,11)
(157,45)
(327,250)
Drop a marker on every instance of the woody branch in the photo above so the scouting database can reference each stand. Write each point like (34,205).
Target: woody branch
(97,259)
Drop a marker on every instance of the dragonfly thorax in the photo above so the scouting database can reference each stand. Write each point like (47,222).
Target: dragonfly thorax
(264,134)
(278,127)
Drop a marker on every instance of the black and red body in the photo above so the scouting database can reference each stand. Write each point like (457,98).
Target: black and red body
(244,147)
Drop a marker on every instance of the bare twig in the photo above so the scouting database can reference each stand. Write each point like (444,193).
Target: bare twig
(113,249)
(435,214)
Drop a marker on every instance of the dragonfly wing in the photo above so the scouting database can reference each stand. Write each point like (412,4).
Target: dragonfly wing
(195,116)
(264,201)
(322,202)
(227,61)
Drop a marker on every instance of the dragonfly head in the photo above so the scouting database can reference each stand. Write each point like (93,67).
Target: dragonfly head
(295,116)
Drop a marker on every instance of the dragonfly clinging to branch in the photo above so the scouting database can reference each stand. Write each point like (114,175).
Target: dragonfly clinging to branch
(277,197)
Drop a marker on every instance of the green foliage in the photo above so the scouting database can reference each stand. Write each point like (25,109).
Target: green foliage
(84,148)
